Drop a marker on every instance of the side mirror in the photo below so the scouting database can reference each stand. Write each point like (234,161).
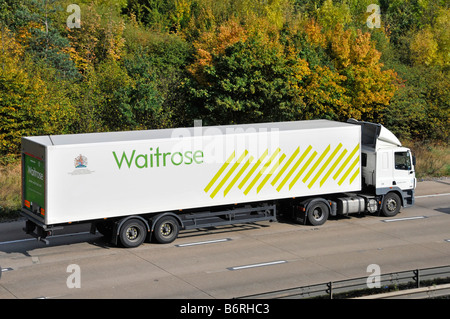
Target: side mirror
(414,160)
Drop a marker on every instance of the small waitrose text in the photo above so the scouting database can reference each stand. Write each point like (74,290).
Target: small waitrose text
(156,158)
(35,173)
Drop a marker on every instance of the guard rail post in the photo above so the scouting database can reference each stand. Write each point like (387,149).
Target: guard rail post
(330,289)
(417,277)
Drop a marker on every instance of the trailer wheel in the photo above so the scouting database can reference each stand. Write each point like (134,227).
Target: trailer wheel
(318,213)
(166,230)
(391,205)
(132,233)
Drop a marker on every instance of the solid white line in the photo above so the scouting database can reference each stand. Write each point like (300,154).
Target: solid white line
(204,242)
(30,239)
(16,241)
(433,195)
(259,265)
(405,218)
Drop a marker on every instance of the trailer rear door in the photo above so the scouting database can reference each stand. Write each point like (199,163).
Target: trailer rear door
(33,185)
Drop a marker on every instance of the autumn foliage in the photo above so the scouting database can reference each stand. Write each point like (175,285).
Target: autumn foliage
(143,64)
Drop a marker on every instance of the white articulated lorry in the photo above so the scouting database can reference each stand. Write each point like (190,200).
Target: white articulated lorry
(138,185)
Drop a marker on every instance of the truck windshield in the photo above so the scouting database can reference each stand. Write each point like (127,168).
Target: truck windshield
(402,161)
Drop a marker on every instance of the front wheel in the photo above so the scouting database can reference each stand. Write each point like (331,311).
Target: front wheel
(391,205)
(166,230)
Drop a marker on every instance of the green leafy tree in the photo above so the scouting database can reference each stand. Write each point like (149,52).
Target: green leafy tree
(34,21)
(28,104)
(369,85)
(251,80)
(420,109)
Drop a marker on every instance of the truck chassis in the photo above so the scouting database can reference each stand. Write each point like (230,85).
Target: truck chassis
(163,228)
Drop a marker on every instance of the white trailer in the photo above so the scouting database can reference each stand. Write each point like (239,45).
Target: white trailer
(150,184)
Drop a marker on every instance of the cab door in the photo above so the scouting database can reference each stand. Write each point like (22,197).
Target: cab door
(384,168)
(403,169)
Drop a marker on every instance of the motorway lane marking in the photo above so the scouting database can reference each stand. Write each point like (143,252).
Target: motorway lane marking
(16,241)
(34,239)
(204,242)
(433,195)
(4,270)
(402,219)
(207,242)
(258,265)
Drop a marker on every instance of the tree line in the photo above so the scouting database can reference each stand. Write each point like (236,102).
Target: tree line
(149,64)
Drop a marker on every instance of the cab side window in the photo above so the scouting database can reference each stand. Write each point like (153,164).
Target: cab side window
(402,161)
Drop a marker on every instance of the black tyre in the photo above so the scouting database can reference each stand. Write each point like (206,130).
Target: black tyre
(166,230)
(132,233)
(391,205)
(318,213)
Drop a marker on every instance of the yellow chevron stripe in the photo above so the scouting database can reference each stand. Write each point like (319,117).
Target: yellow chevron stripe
(224,166)
(316,164)
(258,162)
(227,176)
(356,161)
(354,175)
(234,180)
(258,176)
(302,170)
(294,168)
(275,166)
(285,166)
(341,165)
(325,165)
(346,162)
(323,180)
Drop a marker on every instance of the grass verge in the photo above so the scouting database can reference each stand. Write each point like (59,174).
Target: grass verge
(10,192)
(432,160)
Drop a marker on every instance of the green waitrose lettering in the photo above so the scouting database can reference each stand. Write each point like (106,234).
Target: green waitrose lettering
(157,158)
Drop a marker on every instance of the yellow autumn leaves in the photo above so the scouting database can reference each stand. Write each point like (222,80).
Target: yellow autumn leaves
(353,84)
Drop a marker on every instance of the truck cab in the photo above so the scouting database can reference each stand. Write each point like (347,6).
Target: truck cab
(387,166)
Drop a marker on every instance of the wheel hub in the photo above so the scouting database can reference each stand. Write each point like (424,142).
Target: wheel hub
(132,233)
(166,229)
(391,205)
(317,214)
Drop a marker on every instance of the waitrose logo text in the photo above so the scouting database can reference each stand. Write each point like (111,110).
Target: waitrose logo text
(156,158)
(33,172)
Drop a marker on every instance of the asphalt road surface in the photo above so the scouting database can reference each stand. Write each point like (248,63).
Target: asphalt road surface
(229,261)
